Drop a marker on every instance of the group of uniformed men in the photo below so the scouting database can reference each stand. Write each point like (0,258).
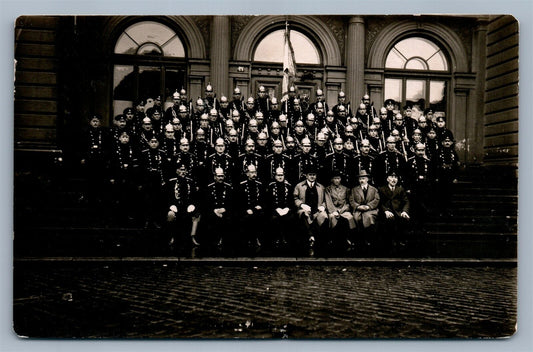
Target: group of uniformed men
(262,171)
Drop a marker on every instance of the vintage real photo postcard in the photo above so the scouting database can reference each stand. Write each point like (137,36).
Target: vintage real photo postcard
(283,176)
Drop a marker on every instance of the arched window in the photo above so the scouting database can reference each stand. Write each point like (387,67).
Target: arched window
(270,49)
(149,62)
(268,57)
(417,74)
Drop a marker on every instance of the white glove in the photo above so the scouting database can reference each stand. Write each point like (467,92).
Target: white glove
(279,211)
(191,208)
(404,215)
(249,212)
(174,208)
(306,207)
(321,208)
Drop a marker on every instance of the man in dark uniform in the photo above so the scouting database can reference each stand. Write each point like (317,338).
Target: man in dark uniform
(124,177)
(249,157)
(234,148)
(153,162)
(391,160)
(447,164)
(146,134)
(302,161)
(251,204)
(218,210)
(262,103)
(201,151)
(183,213)
(94,153)
(419,183)
(131,124)
(274,161)
(173,110)
(364,161)
(210,99)
(341,101)
(237,103)
(219,159)
(274,111)
(279,200)
(338,160)
(184,156)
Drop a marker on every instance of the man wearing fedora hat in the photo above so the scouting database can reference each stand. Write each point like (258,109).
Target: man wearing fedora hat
(364,200)
(310,202)
(341,221)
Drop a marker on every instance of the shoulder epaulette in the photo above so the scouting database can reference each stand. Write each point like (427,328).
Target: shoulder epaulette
(211,184)
(271,183)
(243,182)
(270,155)
(211,155)
(259,182)
(329,154)
(227,184)
(173,179)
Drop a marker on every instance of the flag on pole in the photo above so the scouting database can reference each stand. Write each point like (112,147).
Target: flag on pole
(289,64)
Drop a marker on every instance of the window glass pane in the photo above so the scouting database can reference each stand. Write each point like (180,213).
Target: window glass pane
(123,88)
(394,60)
(149,31)
(149,49)
(125,45)
(149,82)
(270,49)
(437,95)
(415,93)
(174,47)
(438,62)
(416,47)
(393,89)
(416,64)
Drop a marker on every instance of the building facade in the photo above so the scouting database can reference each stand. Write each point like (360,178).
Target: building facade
(464,67)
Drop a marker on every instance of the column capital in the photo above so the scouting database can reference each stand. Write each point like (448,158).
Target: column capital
(357,19)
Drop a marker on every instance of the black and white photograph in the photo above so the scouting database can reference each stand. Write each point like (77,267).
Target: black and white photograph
(265,176)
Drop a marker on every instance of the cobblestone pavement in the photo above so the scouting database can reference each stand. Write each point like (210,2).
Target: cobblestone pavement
(184,300)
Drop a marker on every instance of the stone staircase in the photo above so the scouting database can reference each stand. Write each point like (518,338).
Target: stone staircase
(53,219)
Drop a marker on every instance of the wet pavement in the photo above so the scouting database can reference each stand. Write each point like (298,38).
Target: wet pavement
(262,300)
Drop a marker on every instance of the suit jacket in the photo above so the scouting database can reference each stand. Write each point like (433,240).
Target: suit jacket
(299,194)
(395,202)
(357,198)
(337,199)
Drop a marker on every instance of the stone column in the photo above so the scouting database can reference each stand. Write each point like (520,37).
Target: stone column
(476,114)
(459,122)
(220,54)
(355,60)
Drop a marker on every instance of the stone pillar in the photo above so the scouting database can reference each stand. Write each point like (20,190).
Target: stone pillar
(220,54)
(476,114)
(459,122)
(355,60)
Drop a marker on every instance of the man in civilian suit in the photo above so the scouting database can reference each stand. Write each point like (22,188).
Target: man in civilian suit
(364,200)
(394,208)
(309,200)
